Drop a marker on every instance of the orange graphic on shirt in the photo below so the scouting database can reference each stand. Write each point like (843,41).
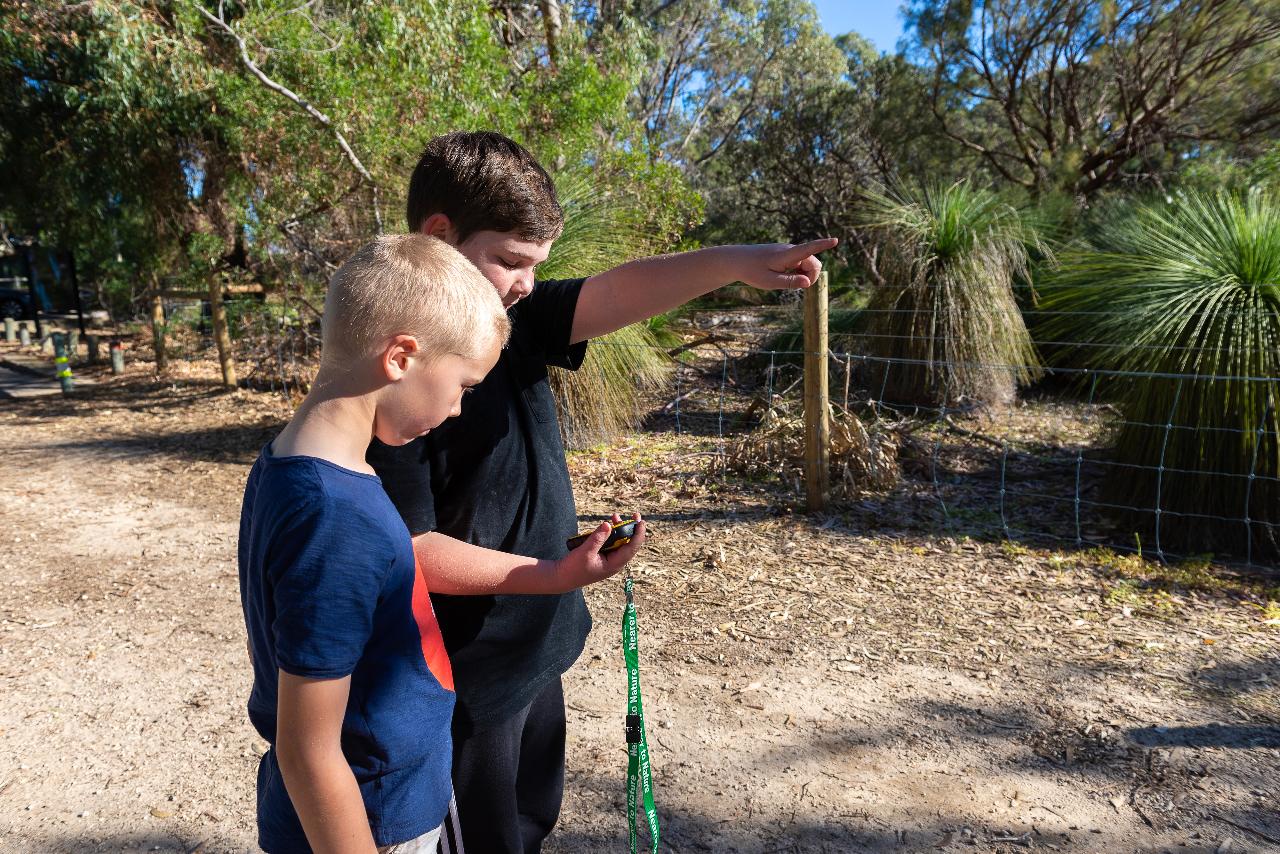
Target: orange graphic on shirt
(433,651)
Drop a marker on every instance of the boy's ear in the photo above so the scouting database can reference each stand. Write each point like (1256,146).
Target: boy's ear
(396,356)
(439,225)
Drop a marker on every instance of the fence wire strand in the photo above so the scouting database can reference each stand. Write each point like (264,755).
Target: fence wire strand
(980,470)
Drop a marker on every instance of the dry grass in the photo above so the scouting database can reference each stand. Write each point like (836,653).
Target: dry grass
(864,455)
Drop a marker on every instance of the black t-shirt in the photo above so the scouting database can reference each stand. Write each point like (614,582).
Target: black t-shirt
(495,476)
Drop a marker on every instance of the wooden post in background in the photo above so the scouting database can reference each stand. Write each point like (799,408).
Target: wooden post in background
(817,409)
(29,270)
(221,335)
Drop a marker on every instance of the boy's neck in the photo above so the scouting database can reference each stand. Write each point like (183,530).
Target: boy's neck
(334,423)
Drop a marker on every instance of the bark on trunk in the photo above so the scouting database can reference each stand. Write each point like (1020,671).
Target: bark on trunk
(551,21)
(215,211)
(158,331)
(221,335)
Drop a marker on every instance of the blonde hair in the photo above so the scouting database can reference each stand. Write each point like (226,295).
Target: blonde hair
(411,284)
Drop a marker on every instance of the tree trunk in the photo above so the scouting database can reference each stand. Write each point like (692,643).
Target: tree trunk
(551,21)
(214,208)
(218,312)
(158,330)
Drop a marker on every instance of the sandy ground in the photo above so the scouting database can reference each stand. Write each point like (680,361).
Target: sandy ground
(812,684)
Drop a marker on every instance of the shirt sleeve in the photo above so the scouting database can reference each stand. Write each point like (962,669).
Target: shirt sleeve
(326,577)
(405,472)
(549,311)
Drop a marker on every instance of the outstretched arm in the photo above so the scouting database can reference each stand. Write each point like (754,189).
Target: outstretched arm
(641,289)
(452,566)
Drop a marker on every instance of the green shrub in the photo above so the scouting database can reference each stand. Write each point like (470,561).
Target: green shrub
(1186,290)
(945,324)
(606,395)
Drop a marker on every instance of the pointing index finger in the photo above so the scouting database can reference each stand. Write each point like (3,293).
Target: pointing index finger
(801,251)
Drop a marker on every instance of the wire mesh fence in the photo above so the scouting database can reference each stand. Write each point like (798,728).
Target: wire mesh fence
(1055,466)
(1046,468)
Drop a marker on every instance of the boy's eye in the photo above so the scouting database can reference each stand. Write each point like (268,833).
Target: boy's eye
(510,265)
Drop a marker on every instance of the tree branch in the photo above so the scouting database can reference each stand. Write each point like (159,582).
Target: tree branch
(319,117)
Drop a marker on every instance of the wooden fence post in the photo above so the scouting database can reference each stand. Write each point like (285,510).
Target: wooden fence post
(221,335)
(817,410)
(116,349)
(62,362)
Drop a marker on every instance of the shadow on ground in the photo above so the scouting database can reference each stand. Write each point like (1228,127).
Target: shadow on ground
(1208,735)
(234,443)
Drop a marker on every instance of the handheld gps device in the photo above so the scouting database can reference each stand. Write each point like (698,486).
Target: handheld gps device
(618,537)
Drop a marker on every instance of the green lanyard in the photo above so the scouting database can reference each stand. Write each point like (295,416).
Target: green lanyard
(639,778)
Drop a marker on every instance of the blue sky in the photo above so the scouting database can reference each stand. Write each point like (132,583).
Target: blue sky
(877,20)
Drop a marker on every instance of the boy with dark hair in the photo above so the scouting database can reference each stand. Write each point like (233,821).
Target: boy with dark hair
(350,684)
(492,486)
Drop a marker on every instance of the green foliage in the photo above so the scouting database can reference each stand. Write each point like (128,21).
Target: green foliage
(846,328)
(799,165)
(1186,290)
(136,133)
(1219,170)
(944,323)
(708,69)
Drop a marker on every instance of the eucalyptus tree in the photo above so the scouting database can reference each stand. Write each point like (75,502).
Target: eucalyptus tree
(1083,95)
(802,165)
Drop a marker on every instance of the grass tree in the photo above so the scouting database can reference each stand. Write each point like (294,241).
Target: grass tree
(605,396)
(943,326)
(1183,299)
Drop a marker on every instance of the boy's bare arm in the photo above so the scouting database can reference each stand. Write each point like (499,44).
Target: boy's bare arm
(324,792)
(640,289)
(452,566)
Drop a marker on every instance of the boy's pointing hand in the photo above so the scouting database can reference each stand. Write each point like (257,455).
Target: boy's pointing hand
(782,266)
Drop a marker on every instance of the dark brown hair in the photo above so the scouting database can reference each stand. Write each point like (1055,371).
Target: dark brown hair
(484,181)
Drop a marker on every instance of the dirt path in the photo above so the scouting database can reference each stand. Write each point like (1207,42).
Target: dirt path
(809,686)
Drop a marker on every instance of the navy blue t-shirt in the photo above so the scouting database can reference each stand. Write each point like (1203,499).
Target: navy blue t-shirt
(330,589)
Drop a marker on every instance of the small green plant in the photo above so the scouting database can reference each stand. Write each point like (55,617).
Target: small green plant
(1124,592)
(1012,549)
(1110,559)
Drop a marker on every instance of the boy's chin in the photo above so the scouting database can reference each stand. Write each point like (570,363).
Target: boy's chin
(398,441)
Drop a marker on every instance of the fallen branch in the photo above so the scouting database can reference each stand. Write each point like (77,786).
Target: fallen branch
(709,339)
(956,428)
(1258,833)
(679,398)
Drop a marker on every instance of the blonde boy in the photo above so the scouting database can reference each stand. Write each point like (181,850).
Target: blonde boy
(351,684)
